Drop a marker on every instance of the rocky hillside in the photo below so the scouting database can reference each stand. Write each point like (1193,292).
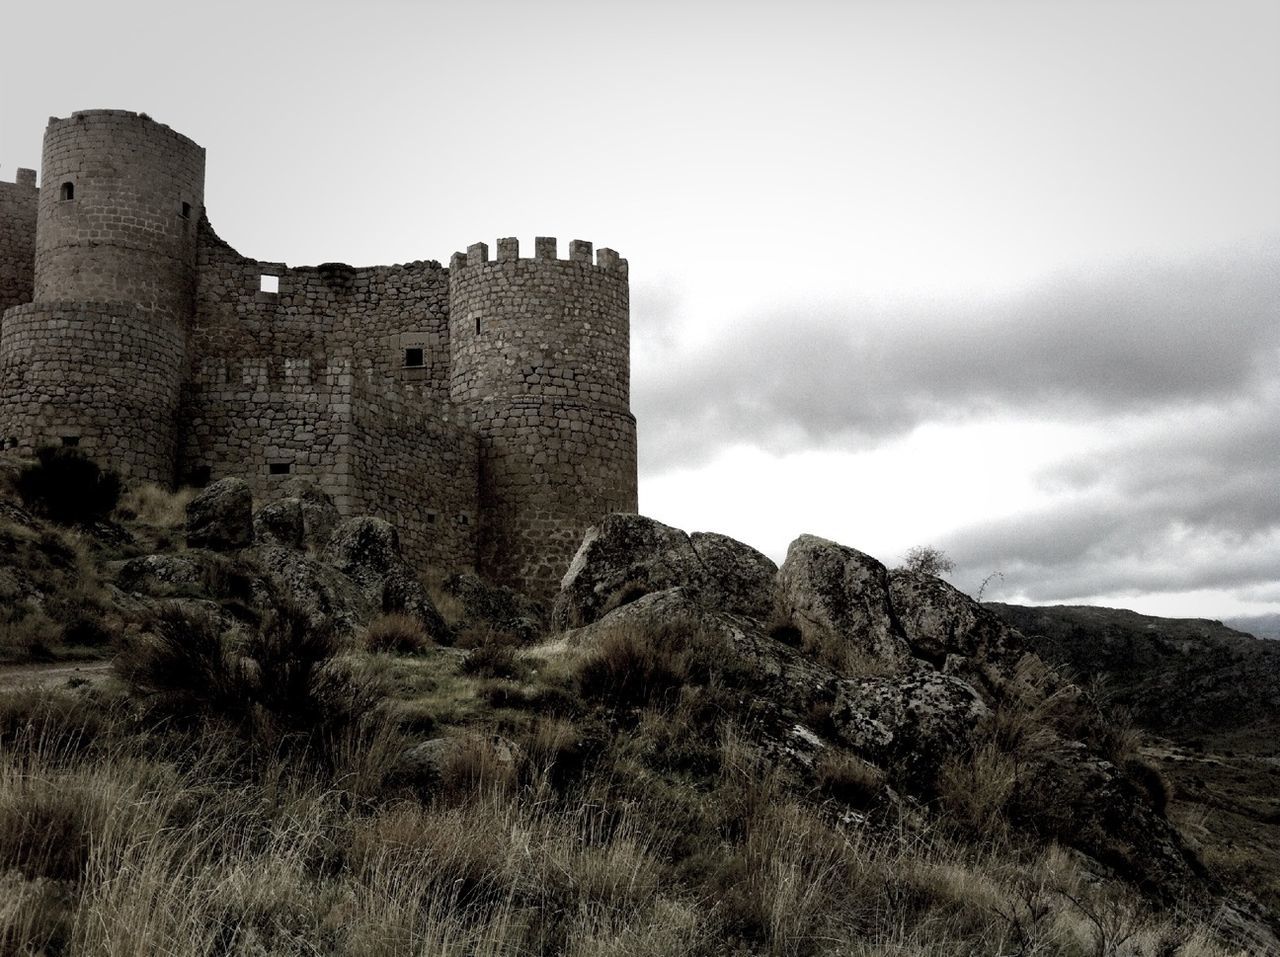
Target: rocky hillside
(306,745)
(1184,678)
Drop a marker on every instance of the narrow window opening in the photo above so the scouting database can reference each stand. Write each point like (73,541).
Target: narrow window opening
(269,283)
(278,468)
(413,357)
(464,519)
(71,441)
(477,325)
(431,518)
(68,190)
(186,210)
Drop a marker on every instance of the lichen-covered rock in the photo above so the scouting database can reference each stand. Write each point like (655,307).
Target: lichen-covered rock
(496,606)
(220,518)
(155,574)
(835,593)
(741,579)
(1072,795)
(627,556)
(911,722)
(940,620)
(280,523)
(367,551)
(319,514)
(324,593)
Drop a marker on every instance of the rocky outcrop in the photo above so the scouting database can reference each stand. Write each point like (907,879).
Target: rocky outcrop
(367,552)
(836,594)
(319,514)
(220,518)
(912,723)
(496,607)
(280,523)
(939,620)
(628,556)
(322,592)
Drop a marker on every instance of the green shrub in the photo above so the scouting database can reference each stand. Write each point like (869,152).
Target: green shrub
(68,486)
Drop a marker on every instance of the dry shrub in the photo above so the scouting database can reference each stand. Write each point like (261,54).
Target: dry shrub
(634,665)
(154,505)
(975,790)
(282,684)
(492,661)
(450,606)
(68,486)
(52,722)
(478,764)
(397,634)
(28,636)
(849,779)
(35,915)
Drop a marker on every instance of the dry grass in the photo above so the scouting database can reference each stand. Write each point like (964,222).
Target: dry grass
(151,504)
(396,634)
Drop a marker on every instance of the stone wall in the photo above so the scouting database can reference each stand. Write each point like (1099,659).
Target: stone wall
(370,317)
(101,376)
(549,469)
(418,469)
(541,362)
(18,239)
(312,378)
(118,215)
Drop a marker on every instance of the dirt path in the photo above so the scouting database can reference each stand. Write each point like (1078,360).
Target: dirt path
(54,673)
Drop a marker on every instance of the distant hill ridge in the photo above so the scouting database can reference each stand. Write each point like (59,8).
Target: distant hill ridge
(1180,677)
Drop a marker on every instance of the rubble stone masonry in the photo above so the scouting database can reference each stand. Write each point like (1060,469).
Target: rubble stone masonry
(18,239)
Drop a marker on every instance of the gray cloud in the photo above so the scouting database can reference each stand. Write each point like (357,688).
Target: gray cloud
(1189,351)
(1083,345)
(1194,506)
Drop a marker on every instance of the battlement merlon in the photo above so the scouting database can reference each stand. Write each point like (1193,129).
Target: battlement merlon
(580,251)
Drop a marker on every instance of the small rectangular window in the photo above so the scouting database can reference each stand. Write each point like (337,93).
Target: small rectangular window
(186,210)
(464,519)
(269,284)
(431,518)
(71,441)
(477,325)
(413,357)
(278,468)
(68,191)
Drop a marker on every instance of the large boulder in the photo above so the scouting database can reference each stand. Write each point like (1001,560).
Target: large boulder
(835,594)
(220,518)
(910,722)
(940,620)
(280,523)
(367,551)
(319,514)
(739,578)
(628,556)
(324,593)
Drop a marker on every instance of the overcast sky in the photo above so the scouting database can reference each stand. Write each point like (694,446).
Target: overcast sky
(1003,277)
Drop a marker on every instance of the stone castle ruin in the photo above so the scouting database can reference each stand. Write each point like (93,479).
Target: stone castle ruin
(482,408)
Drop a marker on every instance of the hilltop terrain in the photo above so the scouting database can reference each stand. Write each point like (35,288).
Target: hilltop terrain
(285,739)
(1208,698)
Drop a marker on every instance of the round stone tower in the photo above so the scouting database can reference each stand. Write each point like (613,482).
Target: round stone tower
(97,359)
(540,361)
